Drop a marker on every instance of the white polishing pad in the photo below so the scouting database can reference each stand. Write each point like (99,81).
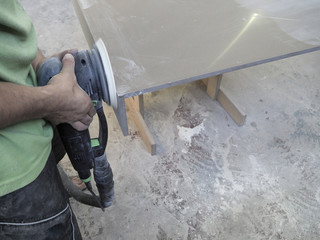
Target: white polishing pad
(109,74)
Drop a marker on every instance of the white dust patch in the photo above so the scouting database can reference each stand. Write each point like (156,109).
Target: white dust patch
(186,134)
(127,70)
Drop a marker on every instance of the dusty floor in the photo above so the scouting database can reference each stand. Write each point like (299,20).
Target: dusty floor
(210,179)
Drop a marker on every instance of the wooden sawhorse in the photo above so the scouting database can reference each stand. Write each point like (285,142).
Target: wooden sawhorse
(214,90)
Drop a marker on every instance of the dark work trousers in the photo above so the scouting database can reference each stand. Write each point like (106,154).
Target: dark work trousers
(40,210)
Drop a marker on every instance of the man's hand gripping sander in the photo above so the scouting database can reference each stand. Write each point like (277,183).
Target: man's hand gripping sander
(94,75)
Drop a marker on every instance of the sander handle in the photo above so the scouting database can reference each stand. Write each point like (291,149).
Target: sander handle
(78,148)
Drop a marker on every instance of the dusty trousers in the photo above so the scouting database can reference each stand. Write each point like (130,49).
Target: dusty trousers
(40,210)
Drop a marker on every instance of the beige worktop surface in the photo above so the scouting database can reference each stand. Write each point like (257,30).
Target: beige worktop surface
(156,44)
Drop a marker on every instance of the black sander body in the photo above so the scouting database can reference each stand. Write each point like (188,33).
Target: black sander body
(94,75)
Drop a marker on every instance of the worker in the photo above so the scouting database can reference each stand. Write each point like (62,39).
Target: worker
(33,202)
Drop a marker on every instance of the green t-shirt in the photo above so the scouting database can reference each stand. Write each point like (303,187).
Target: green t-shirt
(24,147)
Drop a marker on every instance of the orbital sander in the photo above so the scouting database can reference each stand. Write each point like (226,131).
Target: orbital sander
(94,75)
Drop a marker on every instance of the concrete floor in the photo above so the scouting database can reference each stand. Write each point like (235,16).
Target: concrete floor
(210,179)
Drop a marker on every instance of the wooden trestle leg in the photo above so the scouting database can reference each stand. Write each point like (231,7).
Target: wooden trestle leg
(135,105)
(216,92)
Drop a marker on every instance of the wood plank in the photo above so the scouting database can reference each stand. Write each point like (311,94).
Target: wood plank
(216,93)
(142,126)
(138,104)
(234,111)
(213,85)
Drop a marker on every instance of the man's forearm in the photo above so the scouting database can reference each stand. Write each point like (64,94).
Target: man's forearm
(20,103)
(60,101)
